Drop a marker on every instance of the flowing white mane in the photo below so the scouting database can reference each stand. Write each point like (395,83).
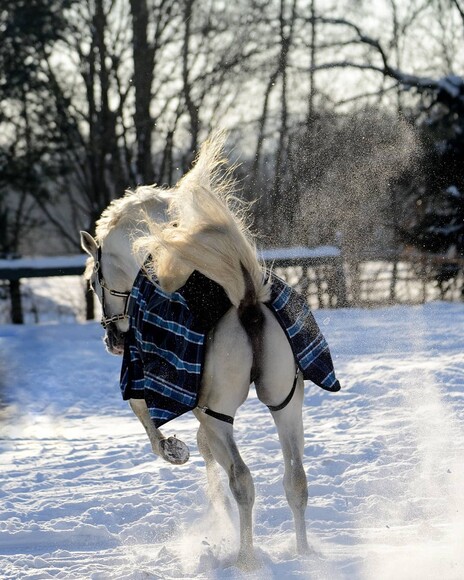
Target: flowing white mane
(132,207)
(207,231)
(197,225)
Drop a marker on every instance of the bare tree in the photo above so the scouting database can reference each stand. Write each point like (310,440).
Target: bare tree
(153,27)
(137,85)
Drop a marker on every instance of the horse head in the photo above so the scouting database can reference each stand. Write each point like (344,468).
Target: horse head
(112,284)
(113,263)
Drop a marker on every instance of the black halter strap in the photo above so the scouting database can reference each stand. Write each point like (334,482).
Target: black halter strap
(106,320)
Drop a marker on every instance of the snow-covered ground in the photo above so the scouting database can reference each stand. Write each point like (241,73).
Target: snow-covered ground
(82,497)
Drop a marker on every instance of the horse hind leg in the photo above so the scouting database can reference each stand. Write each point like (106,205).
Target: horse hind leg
(273,387)
(290,430)
(225,386)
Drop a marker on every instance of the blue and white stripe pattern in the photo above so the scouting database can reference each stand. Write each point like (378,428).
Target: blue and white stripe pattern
(165,345)
(309,346)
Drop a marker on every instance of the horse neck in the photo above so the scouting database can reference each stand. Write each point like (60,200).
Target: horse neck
(119,240)
(157,211)
(118,243)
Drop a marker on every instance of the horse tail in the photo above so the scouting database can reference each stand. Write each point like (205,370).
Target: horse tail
(207,233)
(252,319)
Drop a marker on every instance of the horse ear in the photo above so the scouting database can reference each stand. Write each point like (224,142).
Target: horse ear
(88,244)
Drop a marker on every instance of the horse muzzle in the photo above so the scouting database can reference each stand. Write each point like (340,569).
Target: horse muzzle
(114,339)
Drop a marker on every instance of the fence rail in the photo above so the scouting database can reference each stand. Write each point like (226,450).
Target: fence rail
(318,272)
(18,268)
(13,270)
(321,274)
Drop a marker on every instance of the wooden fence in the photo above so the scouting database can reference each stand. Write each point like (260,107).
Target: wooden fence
(12,271)
(317,272)
(322,274)
(405,278)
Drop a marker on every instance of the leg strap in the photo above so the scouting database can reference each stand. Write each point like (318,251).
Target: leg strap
(230,420)
(289,397)
(219,416)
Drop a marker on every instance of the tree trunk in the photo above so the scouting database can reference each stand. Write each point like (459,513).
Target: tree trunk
(262,125)
(279,204)
(312,67)
(192,107)
(142,79)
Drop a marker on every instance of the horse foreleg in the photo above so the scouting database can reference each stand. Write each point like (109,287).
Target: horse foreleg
(225,386)
(171,449)
(224,450)
(289,425)
(216,490)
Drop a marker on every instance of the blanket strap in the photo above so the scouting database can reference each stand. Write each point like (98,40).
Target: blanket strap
(219,416)
(289,397)
(228,419)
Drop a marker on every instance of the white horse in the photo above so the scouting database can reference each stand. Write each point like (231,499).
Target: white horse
(191,227)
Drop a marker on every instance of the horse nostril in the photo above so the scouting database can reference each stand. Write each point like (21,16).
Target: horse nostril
(112,329)
(117,336)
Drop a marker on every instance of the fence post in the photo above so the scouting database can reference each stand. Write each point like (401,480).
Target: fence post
(394,278)
(16,306)
(339,270)
(89,302)
(340,284)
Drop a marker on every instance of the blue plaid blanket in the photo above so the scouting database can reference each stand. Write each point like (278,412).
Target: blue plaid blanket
(166,342)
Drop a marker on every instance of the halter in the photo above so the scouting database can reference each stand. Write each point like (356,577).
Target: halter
(105,319)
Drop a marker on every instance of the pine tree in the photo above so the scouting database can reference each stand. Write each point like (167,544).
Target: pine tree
(438,227)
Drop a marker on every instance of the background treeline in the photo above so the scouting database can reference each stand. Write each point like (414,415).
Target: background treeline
(347,117)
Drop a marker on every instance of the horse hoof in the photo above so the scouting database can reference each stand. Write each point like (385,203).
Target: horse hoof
(174,451)
(248,562)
